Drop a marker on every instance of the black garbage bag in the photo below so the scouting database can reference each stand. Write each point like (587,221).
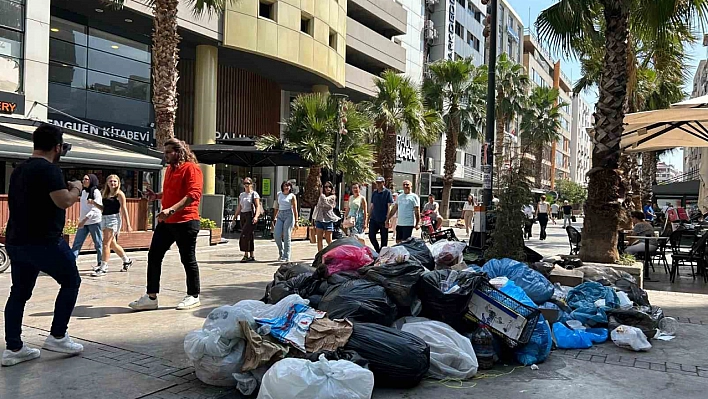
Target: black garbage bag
(304,285)
(339,354)
(315,300)
(418,250)
(398,359)
(343,277)
(399,280)
(635,294)
(447,307)
(359,300)
(286,272)
(318,264)
(645,318)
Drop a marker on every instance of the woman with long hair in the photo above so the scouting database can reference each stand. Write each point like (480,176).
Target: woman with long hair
(285,220)
(543,210)
(468,213)
(249,206)
(356,211)
(114,211)
(90,218)
(324,214)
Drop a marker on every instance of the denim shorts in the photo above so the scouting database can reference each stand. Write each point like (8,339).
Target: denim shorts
(326,226)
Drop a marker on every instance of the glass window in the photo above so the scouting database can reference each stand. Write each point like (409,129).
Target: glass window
(119,86)
(68,31)
(10,43)
(12,14)
(100,61)
(67,53)
(68,99)
(459,30)
(117,45)
(67,74)
(10,74)
(113,109)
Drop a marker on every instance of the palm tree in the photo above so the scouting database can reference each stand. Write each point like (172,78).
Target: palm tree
(165,42)
(310,132)
(572,26)
(540,125)
(398,105)
(457,90)
(512,88)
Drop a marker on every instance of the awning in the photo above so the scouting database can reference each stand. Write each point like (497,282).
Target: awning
(248,156)
(664,129)
(86,149)
(696,102)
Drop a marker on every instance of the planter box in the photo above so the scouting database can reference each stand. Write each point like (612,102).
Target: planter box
(215,236)
(311,234)
(299,234)
(134,240)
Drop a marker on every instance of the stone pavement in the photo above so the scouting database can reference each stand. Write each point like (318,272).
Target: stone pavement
(140,355)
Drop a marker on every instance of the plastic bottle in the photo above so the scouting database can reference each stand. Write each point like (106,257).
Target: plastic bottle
(483,344)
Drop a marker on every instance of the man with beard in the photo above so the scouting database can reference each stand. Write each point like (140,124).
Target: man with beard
(38,198)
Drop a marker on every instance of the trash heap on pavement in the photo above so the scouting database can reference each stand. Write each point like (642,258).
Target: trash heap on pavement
(354,319)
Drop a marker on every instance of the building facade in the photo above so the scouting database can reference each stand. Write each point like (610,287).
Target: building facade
(580,142)
(543,71)
(692,155)
(665,172)
(80,64)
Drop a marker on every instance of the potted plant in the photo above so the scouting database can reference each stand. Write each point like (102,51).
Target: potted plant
(214,232)
(70,229)
(302,232)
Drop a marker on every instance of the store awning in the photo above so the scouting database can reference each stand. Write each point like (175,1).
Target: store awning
(665,128)
(86,149)
(248,156)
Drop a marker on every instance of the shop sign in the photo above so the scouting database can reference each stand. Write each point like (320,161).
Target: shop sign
(451,30)
(143,135)
(11,103)
(266,187)
(405,151)
(230,136)
(305,213)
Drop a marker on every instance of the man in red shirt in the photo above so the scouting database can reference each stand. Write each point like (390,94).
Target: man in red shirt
(177,222)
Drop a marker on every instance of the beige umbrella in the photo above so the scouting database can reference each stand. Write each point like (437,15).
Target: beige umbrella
(665,128)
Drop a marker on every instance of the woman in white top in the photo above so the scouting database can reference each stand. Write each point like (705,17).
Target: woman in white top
(90,219)
(285,220)
(468,213)
(249,207)
(543,209)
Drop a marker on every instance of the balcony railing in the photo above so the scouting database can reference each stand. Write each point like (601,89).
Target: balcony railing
(472,173)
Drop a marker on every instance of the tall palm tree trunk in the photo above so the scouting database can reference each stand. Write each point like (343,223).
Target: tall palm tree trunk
(499,149)
(387,156)
(164,68)
(538,166)
(602,208)
(648,162)
(450,155)
(312,186)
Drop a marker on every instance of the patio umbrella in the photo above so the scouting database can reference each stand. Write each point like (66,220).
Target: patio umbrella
(665,128)
(248,156)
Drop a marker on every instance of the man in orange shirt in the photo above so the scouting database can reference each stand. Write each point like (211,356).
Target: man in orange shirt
(177,222)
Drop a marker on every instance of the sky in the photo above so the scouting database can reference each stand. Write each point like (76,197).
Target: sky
(528,10)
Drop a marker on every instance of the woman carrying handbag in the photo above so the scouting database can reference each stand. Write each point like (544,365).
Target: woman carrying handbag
(249,207)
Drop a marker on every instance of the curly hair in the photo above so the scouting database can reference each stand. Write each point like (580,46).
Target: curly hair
(182,148)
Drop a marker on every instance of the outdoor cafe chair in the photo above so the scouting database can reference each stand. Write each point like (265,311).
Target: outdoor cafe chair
(681,257)
(659,256)
(574,238)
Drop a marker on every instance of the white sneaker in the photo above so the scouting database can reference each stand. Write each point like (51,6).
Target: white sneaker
(100,272)
(144,303)
(10,358)
(188,302)
(63,345)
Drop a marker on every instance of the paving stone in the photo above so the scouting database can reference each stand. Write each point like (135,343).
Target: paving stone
(135,367)
(173,378)
(673,366)
(703,374)
(598,358)
(686,367)
(183,372)
(657,367)
(584,356)
(641,364)
(675,371)
(181,387)
(161,371)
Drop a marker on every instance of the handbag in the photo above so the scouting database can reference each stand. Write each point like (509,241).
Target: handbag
(348,223)
(572,219)
(253,205)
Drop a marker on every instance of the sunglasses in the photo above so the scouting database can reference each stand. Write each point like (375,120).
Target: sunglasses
(247,183)
(406,185)
(65,148)
(327,186)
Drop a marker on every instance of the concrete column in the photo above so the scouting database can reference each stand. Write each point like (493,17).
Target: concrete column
(36,68)
(205,106)
(324,89)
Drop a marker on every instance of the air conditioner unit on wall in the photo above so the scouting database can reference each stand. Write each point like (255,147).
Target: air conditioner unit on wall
(431,3)
(431,34)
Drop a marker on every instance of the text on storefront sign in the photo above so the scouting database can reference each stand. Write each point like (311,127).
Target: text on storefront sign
(7,107)
(405,151)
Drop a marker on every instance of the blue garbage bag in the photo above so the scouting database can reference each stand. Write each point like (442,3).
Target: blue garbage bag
(539,346)
(567,338)
(590,315)
(536,286)
(586,294)
(596,335)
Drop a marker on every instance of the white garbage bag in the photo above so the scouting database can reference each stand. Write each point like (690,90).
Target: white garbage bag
(226,318)
(451,354)
(247,383)
(219,371)
(325,379)
(207,342)
(630,338)
(279,309)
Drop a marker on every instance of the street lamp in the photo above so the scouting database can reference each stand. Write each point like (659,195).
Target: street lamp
(490,31)
(341,130)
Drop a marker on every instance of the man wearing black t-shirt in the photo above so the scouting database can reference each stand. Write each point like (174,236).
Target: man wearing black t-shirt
(567,214)
(38,199)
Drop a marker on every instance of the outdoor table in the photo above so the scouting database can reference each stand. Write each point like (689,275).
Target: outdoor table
(646,252)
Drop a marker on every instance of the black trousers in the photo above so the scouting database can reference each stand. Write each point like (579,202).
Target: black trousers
(374,229)
(166,234)
(543,221)
(245,242)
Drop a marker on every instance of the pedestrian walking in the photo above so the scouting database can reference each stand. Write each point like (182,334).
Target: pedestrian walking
(555,209)
(567,214)
(528,223)
(356,211)
(114,211)
(408,208)
(38,198)
(285,220)
(468,213)
(381,200)
(324,215)
(90,218)
(249,208)
(178,222)
(542,210)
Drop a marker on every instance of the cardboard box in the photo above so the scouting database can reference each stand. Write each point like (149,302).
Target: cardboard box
(484,309)
(568,278)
